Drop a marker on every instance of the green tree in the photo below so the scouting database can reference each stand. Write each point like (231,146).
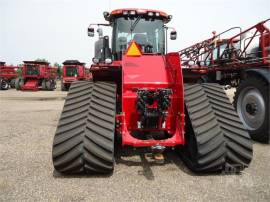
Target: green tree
(59,69)
(19,72)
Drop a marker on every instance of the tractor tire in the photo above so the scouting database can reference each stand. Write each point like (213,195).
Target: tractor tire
(252,100)
(238,143)
(63,87)
(4,84)
(19,82)
(68,86)
(54,84)
(12,83)
(50,85)
(205,148)
(43,84)
(84,139)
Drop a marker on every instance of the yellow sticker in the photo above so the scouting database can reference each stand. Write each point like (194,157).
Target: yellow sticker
(134,50)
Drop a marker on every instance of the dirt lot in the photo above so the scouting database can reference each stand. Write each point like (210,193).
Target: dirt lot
(27,124)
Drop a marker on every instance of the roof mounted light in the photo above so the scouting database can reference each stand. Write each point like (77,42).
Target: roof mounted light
(132,12)
(191,63)
(95,60)
(108,60)
(169,17)
(157,14)
(106,15)
(125,12)
(151,14)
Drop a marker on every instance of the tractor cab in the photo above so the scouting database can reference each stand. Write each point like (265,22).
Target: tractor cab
(73,68)
(147,28)
(33,69)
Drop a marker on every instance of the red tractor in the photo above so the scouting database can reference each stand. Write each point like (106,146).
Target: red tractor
(8,75)
(241,60)
(138,99)
(36,75)
(73,70)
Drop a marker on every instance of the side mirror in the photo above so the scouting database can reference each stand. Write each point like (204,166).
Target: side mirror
(91,32)
(173,35)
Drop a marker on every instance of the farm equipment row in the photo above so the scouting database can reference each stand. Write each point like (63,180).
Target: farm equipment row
(38,75)
(138,98)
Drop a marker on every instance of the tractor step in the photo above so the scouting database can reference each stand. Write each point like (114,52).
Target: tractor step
(215,137)
(84,139)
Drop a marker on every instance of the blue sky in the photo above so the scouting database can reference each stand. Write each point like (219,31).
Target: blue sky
(56,29)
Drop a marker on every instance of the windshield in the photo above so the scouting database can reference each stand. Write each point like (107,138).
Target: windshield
(148,33)
(32,70)
(71,71)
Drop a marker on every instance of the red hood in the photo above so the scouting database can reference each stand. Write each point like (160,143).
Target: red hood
(146,69)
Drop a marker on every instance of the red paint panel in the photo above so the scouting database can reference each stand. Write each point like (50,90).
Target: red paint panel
(152,72)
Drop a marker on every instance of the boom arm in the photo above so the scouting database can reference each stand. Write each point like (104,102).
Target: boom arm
(234,52)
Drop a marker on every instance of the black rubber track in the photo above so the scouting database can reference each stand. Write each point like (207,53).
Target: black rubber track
(238,143)
(84,139)
(205,146)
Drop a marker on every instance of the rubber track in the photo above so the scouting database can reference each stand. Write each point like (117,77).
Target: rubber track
(238,143)
(99,131)
(84,138)
(208,145)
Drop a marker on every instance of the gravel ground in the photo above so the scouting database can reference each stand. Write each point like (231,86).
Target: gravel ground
(27,124)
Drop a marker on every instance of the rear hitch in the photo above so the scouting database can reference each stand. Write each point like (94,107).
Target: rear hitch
(152,106)
(157,152)
(158,148)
